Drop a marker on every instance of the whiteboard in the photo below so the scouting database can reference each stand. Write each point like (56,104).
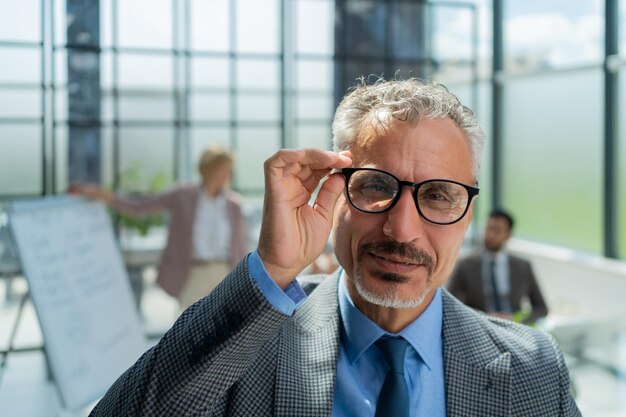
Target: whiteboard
(81,293)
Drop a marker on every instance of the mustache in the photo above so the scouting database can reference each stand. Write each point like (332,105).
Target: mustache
(404,250)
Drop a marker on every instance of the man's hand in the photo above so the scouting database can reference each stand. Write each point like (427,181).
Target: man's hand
(293,233)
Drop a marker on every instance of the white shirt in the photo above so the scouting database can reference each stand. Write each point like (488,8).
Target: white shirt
(211,231)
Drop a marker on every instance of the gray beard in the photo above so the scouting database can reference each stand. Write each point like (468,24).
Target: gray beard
(389,298)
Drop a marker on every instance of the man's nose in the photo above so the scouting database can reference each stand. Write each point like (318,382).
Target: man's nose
(404,223)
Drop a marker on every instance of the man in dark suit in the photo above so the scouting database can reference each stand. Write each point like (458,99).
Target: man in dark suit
(495,281)
(379,337)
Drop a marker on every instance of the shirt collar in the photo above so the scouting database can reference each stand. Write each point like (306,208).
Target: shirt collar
(424,334)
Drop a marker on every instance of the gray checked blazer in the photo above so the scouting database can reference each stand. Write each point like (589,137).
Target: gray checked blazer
(233,354)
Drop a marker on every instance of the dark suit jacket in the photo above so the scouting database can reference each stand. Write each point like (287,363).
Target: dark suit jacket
(233,354)
(466,283)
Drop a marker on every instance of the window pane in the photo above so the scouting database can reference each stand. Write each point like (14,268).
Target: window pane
(316,26)
(210,72)
(20,159)
(106,106)
(449,72)
(621,165)
(254,146)
(20,20)
(106,24)
(145,71)
(365,28)
(550,34)
(25,65)
(257,107)
(210,106)
(20,103)
(146,107)
(143,24)
(60,66)
(314,75)
(62,157)
(210,24)
(408,33)
(257,74)
(151,148)
(318,107)
(356,68)
(314,137)
(552,165)
(257,26)
(452,37)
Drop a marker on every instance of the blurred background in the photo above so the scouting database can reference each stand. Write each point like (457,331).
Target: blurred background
(129,93)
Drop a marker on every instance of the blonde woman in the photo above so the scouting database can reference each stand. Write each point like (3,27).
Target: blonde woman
(207,233)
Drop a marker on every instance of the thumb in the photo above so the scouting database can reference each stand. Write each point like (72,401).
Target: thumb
(328,195)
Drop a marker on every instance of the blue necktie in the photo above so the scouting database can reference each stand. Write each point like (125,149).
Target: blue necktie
(393,400)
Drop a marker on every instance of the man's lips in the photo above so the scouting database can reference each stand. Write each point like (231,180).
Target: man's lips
(394,264)
(395,259)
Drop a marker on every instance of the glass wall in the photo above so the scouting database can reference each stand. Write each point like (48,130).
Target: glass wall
(21,98)
(313,72)
(552,135)
(541,34)
(252,75)
(552,157)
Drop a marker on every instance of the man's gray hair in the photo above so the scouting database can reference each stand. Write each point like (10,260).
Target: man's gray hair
(409,100)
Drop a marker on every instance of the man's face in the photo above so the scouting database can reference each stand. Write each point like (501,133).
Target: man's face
(496,233)
(397,259)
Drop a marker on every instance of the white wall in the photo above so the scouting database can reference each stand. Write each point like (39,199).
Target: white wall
(576,284)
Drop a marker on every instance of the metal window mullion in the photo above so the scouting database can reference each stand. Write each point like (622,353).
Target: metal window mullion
(232,40)
(475,58)
(115,93)
(186,116)
(611,103)
(53,94)
(42,119)
(497,101)
(176,93)
(286,54)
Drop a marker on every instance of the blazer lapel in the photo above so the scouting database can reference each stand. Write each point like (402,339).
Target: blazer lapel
(307,356)
(477,373)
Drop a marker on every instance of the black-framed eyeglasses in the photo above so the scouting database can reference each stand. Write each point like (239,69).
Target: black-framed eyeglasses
(439,201)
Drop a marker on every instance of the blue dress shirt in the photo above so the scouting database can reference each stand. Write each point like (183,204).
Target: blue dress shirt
(361,369)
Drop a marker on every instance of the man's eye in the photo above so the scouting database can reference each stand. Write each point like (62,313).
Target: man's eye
(375,187)
(435,196)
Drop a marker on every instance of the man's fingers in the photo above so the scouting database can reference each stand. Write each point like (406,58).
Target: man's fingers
(328,195)
(313,158)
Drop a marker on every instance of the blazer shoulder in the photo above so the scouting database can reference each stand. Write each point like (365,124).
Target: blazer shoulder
(481,336)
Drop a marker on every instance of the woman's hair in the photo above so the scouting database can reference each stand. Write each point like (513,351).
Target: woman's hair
(214,157)
(410,100)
